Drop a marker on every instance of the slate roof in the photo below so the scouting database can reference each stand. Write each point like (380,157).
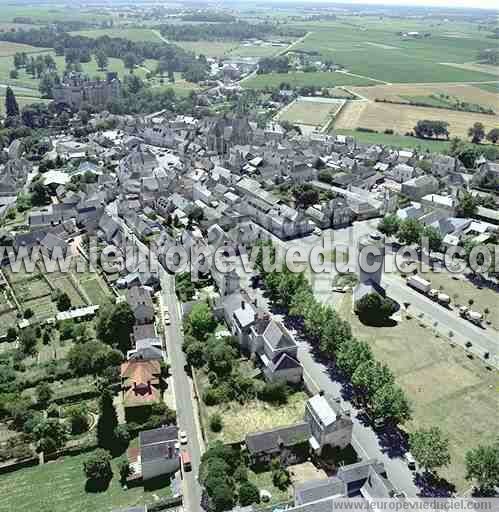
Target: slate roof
(314,490)
(359,471)
(271,440)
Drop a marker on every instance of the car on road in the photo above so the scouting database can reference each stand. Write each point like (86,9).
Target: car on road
(341,289)
(411,461)
(166,317)
(182,435)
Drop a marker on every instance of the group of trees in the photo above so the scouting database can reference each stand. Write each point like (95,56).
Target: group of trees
(232,31)
(428,129)
(477,134)
(279,64)
(80,48)
(410,232)
(224,476)
(115,325)
(489,56)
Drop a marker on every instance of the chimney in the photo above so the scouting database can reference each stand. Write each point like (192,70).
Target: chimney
(321,392)
(243,304)
(149,386)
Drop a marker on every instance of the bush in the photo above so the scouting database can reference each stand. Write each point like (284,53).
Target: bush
(216,423)
(213,396)
(248,494)
(275,392)
(98,466)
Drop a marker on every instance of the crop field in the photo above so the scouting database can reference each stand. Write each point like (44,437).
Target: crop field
(376,51)
(493,87)
(403,118)
(209,48)
(42,14)
(313,113)
(399,92)
(300,79)
(445,387)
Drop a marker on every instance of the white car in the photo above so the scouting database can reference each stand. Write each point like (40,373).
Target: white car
(167,318)
(183,437)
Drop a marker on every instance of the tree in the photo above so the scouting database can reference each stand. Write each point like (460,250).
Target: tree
(107,422)
(370,376)
(216,423)
(482,465)
(40,194)
(63,301)
(409,232)
(201,321)
(47,83)
(430,448)
(115,324)
(125,470)
(101,59)
(434,237)
(389,225)
(44,393)
(50,434)
(467,205)
(97,466)
(351,355)
(195,354)
(28,341)
(477,133)
(78,418)
(14,74)
(373,309)
(11,106)
(248,494)
(390,404)
(130,61)
(493,135)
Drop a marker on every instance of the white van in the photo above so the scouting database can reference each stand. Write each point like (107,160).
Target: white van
(411,461)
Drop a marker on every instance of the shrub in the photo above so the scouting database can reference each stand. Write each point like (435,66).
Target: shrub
(248,494)
(216,423)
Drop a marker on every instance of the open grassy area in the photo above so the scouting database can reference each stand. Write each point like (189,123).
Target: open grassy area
(263,480)
(494,88)
(241,419)
(300,79)
(314,113)
(376,50)
(59,486)
(396,141)
(49,13)
(446,388)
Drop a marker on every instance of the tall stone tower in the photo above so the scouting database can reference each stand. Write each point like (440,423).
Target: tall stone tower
(370,260)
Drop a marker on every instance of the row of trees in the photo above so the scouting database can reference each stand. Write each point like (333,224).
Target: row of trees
(278,64)
(410,232)
(374,382)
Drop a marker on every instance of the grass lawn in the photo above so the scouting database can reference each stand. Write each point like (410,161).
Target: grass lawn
(209,48)
(59,486)
(299,79)
(313,113)
(263,480)
(396,141)
(461,291)
(63,282)
(93,288)
(446,388)
(241,419)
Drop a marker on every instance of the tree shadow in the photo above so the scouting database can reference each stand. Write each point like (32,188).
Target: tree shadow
(96,486)
(433,486)
(394,442)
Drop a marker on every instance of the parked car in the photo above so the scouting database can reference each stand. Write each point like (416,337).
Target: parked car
(411,461)
(182,435)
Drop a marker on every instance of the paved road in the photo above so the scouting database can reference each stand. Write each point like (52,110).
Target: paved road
(183,397)
(364,439)
(186,419)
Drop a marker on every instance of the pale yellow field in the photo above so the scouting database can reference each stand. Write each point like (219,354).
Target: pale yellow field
(464,92)
(403,118)
(313,113)
(7,49)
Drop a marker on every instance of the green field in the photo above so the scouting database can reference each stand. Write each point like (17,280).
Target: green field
(489,87)
(396,141)
(298,79)
(49,13)
(377,51)
(60,487)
